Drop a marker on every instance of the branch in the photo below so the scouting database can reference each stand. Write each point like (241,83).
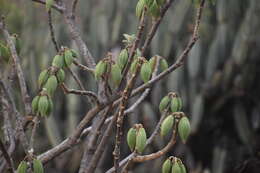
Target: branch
(82,67)
(74,5)
(18,69)
(54,6)
(52,31)
(7,157)
(75,35)
(155,26)
(35,123)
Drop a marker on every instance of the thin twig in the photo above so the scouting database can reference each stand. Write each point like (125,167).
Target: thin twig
(133,48)
(7,157)
(52,31)
(54,6)
(35,123)
(74,6)
(155,26)
(82,67)
(92,142)
(76,78)
(18,69)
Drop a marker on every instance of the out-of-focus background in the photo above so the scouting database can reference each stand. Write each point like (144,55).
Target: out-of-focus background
(219,84)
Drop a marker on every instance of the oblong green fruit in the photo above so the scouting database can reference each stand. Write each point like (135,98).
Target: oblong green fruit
(58,61)
(37,166)
(22,167)
(183,169)
(74,53)
(43,77)
(139,8)
(154,9)
(131,138)
(43,105)
(51,84)
(164,103)
(68,58)
(133,66)
(100,69)
(140,140)
(50,107)
(175,107)
(35,102)
(60,75)
(152,62)
(48,4)
(167,125)
(122,58)
(176,168)
(4,52)
(148,2)
(184,129)
(167,166)
(146,72)
(116,75)
(164,65)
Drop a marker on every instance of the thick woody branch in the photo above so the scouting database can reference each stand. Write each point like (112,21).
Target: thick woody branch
(7,157)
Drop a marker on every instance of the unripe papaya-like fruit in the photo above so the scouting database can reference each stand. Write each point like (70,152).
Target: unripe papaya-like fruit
(167,125)
(43,77)
(140,140)
(131,138)
(100,69)
(146,72)
(51,84)
(122,59)
(68,58)
(37,166)
(164,103)
(22,167)
(116,75)
(167,166)
(58,61)
(60,75)
(184,129)
(163,64)
(139,8)
(35,102)
(176,167)
(43,105)
(154,9)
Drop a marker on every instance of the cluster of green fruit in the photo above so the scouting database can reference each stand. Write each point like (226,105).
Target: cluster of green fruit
(37,167)
(136,138)
(153,6)
(49,79)
(173,165)
(115,69)
(5,52)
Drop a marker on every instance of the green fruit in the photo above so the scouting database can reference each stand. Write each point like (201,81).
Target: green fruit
(35,102)
(60,75)
(100,69)
(43,77)
(74,53)
(22,168)
(4,52)
(167,166)
(148,2)
(131,138)
(139,8)
(167,125)
(51,84)
(154,9)
(175,104)
(37,166)
(183,169)
(163,64)
(122,59)
(43,105)
(140,140)
(48,4)
(146,72)
(184,129)
(50,108)
(133,66)
(58,61)
(176,168)
(164,103)
(68,58)
(152,62)
(116,75)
